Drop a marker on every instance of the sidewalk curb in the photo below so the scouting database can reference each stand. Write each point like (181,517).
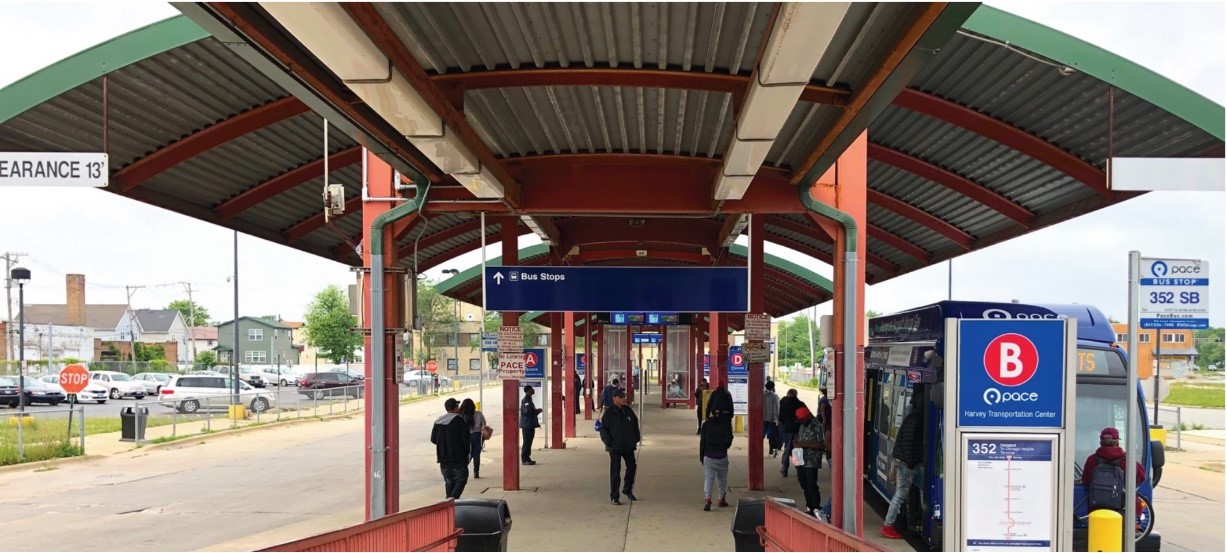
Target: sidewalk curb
(37,465)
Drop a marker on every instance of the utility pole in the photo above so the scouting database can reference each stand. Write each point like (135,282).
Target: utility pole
(187,286)
(10,260)
(131,320)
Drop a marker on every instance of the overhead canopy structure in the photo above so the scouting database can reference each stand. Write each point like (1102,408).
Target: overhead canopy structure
(983,126)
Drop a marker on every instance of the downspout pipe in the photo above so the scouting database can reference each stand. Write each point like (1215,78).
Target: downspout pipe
(379,440)
(851,323)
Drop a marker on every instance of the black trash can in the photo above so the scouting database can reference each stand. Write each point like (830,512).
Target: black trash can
(486,524)
(746,520)
(132,423)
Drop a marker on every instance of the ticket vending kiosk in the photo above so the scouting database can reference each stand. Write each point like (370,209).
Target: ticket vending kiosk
(614,357)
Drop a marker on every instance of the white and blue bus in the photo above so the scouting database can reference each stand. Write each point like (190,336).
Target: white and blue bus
(897,368)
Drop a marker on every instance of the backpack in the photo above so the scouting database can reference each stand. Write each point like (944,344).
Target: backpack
(1107,489)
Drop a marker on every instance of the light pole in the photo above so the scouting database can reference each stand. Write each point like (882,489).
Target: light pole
(456,327)
(21,276)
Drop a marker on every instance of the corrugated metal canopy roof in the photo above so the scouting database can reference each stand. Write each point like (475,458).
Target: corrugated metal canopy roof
(991,138)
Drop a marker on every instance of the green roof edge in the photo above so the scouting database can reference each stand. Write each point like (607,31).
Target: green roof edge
(1131,77)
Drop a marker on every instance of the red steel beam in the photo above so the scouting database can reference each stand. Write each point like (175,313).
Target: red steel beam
(922,217)
(316,222)
(388,42)
(285,182)
(212,136)
(1000,131)
(464,248)
(580,232)
(953,181)
(249,22)
(899,243)
(877,79)
(430,240)
(455,84)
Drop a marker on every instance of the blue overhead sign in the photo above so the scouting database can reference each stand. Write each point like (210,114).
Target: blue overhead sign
(646,338)
(1011,373)
(635,289)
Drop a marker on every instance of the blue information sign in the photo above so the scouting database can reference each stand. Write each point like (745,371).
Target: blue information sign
(636,289)
(1011,373)
(646,338)
(737,363)
(534,364)
(581,363)
(706,365)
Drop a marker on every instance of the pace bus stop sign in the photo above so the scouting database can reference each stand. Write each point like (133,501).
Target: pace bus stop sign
(1011,373)
(1174,293)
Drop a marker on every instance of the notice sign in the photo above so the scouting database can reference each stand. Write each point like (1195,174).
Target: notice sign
(758,326)
(53,169)
(1174,293)
(756,352)
(510,339)
(1011,485)
(511,366)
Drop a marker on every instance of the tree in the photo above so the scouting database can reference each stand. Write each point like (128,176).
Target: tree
(871,314)
(438,315)
(330,326)
(793,343)
(206,359)
(194,314)
(1209,347)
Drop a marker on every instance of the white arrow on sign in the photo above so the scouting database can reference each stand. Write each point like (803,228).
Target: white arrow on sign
(498,278)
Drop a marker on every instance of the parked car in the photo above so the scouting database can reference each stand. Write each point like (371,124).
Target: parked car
(327,384)
(118,384)
(92,392)
(9,392)
(281,376)
(191,393)
(152,381)
(246,374)
(38,391)
(412,377)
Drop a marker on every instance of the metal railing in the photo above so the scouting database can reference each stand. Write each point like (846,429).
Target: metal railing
(787,529)
(42,434)
(1177,426)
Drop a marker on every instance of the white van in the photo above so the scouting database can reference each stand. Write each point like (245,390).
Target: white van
(191,393)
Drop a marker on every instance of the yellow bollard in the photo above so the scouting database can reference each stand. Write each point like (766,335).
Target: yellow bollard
(1104,531)
(738,423)
(237,412)
(477,405)
(1158,434)
(26,421)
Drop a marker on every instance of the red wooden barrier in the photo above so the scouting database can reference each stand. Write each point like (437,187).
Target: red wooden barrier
(787,529)
(430,528)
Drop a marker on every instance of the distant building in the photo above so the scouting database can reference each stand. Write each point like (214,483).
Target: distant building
(156,326)
(100,318)
(261,342)
(202,338)
(1175,347)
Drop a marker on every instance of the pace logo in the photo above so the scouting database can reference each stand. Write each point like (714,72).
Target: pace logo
(1011,360)
(993,396)
(1158,268)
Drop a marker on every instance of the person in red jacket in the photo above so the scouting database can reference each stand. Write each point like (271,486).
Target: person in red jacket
(1111,451)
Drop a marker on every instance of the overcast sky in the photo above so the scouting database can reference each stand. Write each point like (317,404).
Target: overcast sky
(116,242)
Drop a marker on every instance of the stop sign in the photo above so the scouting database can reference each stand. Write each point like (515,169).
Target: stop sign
(74,378)
(432,365)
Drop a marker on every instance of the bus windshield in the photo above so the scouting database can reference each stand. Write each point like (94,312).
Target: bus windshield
(1099,406)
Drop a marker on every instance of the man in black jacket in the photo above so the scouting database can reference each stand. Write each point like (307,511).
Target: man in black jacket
(528,425)
(720,403)
(909,452)
(620,432)
(450,434)
(788,425)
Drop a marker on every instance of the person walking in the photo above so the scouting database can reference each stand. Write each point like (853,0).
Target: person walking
(714,444)
(579,390)
(450,434)
(824,417)
(528,425)
(771,414)
(788,425)
(698,402)
(477,425)
(909,453)
(620,433)
(608,392)
(809,441)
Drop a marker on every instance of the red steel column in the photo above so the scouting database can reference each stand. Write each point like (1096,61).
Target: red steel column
(630,377)
(568,374)
(557,383)
(598,364)
(844,186)
(696,364)
(379,182)
(511,388)
(755,403)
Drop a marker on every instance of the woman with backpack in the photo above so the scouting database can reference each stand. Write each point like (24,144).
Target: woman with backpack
(1103,473)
